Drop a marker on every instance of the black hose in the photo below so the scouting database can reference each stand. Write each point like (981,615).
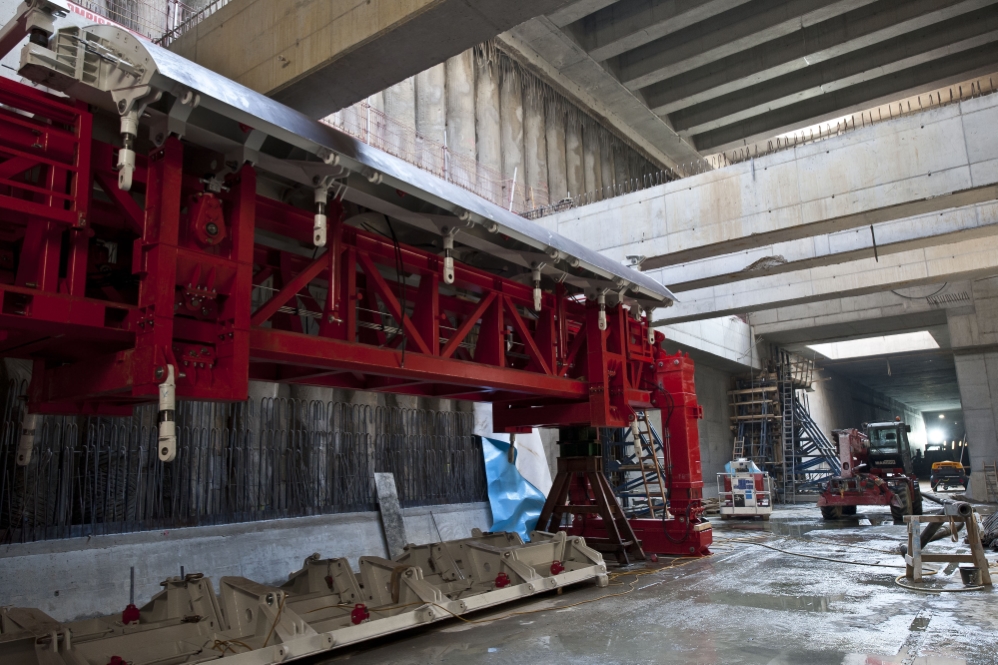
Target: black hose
(399,271)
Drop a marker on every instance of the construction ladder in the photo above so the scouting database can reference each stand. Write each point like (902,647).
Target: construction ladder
(991,479)
(786,385)
(739,450)
(650,467)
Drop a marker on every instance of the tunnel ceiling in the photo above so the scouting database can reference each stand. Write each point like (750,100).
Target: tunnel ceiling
(924,380)
(700,76)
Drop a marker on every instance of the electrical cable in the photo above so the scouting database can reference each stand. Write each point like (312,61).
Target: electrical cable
(277,618)
(225,645)
(897,580)
(935,293)
(825,558)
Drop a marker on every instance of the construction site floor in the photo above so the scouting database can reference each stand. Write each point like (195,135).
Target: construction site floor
(744,604)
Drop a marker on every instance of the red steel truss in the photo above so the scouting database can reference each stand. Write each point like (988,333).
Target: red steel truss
(103,289)
(106,290)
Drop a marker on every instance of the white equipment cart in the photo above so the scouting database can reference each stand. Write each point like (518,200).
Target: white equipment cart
(744,490)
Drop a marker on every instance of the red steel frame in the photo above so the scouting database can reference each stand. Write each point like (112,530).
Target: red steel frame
(103,289)
(101,348)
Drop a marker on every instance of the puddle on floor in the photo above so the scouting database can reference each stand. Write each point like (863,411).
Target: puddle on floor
(803,525)
(770,602)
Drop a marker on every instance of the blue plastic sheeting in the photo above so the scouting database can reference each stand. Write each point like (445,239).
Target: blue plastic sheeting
(516,504)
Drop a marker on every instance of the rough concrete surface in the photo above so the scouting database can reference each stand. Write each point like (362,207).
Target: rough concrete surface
(745,604)
(889,171)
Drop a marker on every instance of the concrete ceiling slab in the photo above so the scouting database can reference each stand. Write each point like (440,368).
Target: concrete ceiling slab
(695,77)
(318,56)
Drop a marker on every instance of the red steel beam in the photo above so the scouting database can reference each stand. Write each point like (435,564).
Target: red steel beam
(184,298)
(299,350)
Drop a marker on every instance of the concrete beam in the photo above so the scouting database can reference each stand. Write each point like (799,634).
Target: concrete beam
(950,38)
(861,220)
(555,57)
(319,56)
(733,31)
(942,158)
(953,225)
(816,44)
(628,24)
(969,259)
(577,10)
(867,315)
(949,70)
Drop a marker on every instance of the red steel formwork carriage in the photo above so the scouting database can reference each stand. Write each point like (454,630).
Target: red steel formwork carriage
(167,233)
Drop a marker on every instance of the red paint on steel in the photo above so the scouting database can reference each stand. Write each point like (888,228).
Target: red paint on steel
(105,288)
(359,614)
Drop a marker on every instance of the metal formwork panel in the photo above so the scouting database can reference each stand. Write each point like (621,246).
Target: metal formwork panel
(323,606)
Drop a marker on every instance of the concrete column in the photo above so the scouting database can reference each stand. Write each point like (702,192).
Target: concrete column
(376,119)
(488,142)
(977,374)
(573,155)
(349,121)
(511,131)
(590,159)
(554,130)
(400,102)
(620,165)
(535,148)
(636,167)
(431,117)
(400,107)
(460,72)
(973,332)
(606,166)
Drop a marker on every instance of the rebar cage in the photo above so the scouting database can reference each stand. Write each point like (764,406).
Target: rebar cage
(254,460)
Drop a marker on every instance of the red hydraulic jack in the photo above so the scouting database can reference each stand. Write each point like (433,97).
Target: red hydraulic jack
(582,490)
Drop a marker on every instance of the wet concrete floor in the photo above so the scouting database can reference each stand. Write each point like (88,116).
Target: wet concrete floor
(744,604)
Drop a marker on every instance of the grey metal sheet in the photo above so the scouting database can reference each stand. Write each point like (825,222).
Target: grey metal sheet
(231,99)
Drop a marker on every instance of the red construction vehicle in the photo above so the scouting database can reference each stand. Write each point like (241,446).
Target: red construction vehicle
(876,471)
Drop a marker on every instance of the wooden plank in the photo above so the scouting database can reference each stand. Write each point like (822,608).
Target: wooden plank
(948,558)
(745,391)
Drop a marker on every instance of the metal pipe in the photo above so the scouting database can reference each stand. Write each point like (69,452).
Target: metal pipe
(951,507)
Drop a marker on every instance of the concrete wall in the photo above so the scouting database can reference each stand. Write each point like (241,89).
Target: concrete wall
(935,152)
(505,117)
(716,439)
(727,338)
(974,336)
(82,577)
